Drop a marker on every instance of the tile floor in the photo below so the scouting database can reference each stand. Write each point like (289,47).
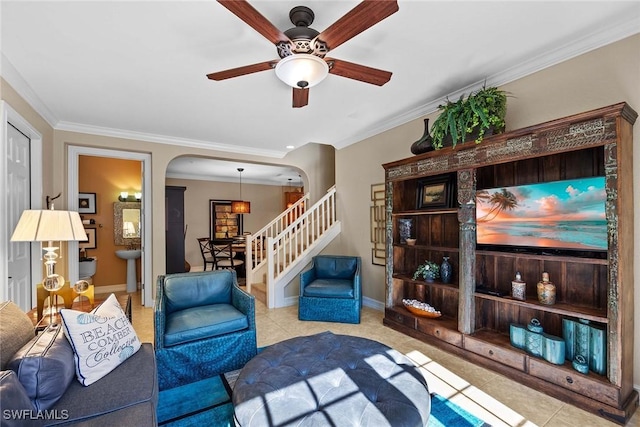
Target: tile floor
(490,396)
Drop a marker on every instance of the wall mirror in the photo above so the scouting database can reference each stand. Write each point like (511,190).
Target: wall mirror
(126,223)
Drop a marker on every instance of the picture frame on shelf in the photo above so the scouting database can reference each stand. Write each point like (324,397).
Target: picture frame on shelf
(434,193)
(92,242)
(87,203)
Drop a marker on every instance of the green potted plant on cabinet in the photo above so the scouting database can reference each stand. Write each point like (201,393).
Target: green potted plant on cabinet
(481,113)
(428,270)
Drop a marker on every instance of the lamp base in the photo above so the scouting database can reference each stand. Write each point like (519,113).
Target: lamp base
(52,283)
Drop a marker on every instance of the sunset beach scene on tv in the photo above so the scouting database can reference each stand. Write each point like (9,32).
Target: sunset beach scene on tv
(561,215)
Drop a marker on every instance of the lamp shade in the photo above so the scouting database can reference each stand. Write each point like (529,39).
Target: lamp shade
(49,225)
(302,70)
(240,207)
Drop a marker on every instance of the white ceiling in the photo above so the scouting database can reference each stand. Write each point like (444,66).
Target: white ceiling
(226,171)
(138,69)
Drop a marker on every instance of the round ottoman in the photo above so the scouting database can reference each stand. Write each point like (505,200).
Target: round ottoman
(330,380)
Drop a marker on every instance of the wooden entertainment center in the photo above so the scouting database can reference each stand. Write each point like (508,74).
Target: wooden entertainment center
(596,287)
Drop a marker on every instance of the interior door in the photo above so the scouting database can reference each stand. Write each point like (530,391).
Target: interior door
(19,284)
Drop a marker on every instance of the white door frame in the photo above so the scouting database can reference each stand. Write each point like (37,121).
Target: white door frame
(74,153)
(9,115)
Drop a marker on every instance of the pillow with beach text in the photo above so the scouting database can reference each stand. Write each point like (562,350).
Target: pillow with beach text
(101,339)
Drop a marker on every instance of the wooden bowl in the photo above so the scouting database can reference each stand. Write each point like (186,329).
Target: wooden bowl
(422,313)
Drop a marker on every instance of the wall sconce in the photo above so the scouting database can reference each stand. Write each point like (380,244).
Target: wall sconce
(125,197)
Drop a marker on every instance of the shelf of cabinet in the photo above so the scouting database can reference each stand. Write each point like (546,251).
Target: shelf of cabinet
(545,257)
(434,284)
(427,247)
(587,313)
(425,212)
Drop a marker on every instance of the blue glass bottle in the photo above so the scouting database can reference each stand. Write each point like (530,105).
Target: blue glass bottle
(446,270)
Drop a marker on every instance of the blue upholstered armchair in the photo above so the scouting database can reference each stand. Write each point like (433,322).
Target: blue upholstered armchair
(331,290)
(204,325)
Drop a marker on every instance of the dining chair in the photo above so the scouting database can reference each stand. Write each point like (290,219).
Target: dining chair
(223,254)
(207,252)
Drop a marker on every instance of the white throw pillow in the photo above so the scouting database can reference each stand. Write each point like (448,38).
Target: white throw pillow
(101,339)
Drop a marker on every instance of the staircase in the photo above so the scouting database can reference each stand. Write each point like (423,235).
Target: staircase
(277,253)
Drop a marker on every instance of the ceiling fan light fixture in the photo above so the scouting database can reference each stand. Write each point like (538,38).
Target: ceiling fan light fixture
(302,70)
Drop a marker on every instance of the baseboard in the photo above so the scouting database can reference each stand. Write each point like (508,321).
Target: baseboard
(109,289)
(288,301)
(373,303)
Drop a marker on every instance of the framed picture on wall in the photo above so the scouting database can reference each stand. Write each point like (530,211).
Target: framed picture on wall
(87,203)
(91,243)
(223,223)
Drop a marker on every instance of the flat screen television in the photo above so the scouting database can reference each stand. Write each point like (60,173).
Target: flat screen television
(560,215)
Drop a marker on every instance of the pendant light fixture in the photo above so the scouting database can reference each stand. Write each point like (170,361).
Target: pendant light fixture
(240,206)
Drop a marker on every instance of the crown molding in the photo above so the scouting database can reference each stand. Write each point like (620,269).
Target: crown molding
(168,140)
(232,180)
(625,27)
(20,85)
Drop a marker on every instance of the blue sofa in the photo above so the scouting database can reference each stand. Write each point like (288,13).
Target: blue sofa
(204,326)
(38,385)
(331,290)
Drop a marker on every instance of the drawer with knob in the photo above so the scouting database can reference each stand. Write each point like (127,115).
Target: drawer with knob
(397,316)
(513,358)
(440,331)
(592,385)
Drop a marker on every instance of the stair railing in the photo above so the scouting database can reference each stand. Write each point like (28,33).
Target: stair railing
(256,243)
(280,251)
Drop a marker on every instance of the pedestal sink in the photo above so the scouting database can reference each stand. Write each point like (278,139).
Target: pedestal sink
(130,255)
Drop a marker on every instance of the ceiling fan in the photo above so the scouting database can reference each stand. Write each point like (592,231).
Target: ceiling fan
(302,49)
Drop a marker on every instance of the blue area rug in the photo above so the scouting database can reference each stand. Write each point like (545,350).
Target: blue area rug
(208,403)
(445,413)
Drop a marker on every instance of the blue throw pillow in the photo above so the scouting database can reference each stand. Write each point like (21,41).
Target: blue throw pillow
(14,400)
(44,366)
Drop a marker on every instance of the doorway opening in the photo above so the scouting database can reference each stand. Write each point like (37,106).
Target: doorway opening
(74,154)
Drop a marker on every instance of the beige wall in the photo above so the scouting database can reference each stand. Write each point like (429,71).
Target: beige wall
(602,77)
(266,203)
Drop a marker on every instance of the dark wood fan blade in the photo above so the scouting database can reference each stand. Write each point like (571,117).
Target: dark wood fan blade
(241,71)
(255,20)
(364,15)
(358,72)
(300,97)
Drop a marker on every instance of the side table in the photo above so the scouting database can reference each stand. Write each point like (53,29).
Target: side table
(86,306)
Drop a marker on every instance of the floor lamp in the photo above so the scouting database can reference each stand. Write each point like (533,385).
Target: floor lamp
(49,226)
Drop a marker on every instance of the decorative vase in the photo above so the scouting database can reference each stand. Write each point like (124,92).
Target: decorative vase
(445,270)
(424,144)
(546,290)
(404,228)
(518,288)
